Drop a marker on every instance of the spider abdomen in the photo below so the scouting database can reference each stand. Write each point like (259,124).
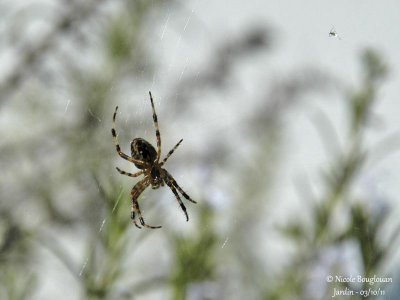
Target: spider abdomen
(143,151)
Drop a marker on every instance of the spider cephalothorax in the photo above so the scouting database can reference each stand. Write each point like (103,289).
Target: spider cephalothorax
(146,158)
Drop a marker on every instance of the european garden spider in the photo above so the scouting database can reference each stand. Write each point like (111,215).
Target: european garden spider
(146,158)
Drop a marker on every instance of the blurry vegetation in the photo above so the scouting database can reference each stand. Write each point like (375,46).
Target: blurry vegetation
(194,260)
(59,185)
(364,226)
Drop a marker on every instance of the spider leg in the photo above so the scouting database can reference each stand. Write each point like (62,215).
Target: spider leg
(170,152)
(135,193)
(133,217)
(130,174)
(170,178)
(115,140)
(158,136)
(178,198)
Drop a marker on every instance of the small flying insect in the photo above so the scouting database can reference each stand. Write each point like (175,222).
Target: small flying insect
(333,33)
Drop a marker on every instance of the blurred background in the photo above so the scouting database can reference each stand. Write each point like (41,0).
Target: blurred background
(289,119)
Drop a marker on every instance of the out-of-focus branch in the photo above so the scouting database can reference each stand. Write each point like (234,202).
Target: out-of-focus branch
(287,93)
(216,73)
(28,57)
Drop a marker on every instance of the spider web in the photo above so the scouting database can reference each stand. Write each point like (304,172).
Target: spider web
(143,114)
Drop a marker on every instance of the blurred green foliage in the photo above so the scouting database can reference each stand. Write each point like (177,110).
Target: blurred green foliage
(363,225)
(194,260)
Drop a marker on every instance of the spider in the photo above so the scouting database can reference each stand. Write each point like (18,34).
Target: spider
(147,159)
